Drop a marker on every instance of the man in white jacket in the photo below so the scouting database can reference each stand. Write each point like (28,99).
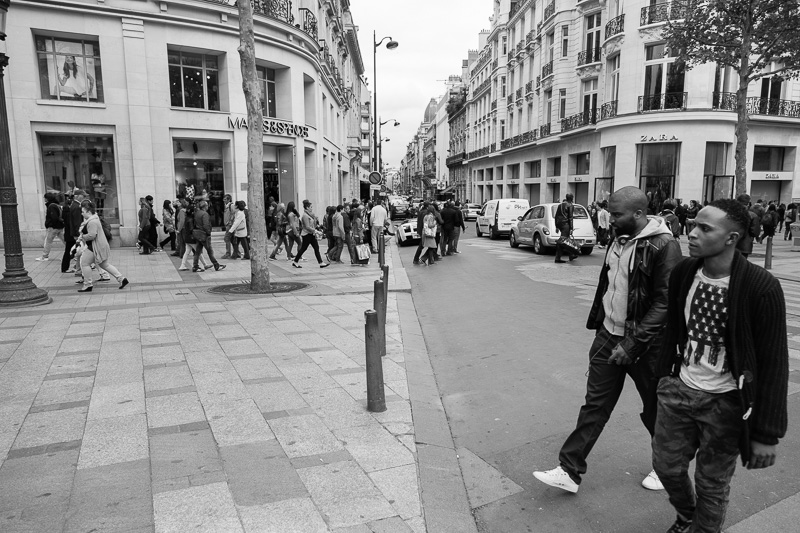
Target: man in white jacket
(378,217)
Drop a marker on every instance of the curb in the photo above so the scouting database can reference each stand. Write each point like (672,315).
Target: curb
(442,490)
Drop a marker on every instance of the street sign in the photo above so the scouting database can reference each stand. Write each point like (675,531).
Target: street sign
(383,188)
(375,178)
(374,187)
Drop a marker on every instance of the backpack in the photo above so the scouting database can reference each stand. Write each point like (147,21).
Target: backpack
(673,223)
(106,229)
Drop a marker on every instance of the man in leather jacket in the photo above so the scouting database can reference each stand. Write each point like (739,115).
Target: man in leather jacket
(628,314)
(564,224)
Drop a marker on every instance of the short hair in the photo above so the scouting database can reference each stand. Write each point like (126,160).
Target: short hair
(202,204)
(89,206)
(339,207)
(570,197)
(743,198)
(240,205)
(668,204)
(79,192)
(184,203)
(306,203)
(148,198)
(734,211)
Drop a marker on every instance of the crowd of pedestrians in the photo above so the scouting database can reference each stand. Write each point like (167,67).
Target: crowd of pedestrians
(439,231)
(704,340)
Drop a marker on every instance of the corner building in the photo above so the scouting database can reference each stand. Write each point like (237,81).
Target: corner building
(584,97)
(126,98)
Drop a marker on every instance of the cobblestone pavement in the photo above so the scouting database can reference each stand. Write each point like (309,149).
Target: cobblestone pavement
(163,407)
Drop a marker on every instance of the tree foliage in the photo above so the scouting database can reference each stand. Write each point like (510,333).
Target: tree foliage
(756,38)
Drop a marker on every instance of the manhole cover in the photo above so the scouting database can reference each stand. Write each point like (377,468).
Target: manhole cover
(243,289)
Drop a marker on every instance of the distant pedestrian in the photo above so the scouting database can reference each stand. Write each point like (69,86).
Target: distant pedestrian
(72,222)
(154,223)
(308,224)
(671,219)
(228,214)
(327,228)
(337,228)
(781,216)
(423,212)
(187,229)
(691,212)
(293,230)
(53,224)
(428,237)
(202,234)
(180,218)
(745,242)
(680,212)
(603,226)
(239,230)
(377,221)
(168,221)
(449,223)
(769,223)
(565,216)
(281,225)
(145,243)
(791,217)
(724,374)
(97,249)
(628,314)
(459,227)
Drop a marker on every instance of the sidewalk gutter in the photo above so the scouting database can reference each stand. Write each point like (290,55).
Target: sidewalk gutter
(443,492)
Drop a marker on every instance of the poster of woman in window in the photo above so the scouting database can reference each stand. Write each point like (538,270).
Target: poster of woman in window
(68,69)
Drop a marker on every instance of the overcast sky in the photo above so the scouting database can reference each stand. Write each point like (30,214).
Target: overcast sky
(433,37)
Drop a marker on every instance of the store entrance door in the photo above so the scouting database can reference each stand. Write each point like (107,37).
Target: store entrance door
(582,194)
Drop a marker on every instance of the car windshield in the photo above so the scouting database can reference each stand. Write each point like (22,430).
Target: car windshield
(578,211)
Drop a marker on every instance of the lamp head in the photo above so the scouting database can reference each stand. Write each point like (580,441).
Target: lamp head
(391,45)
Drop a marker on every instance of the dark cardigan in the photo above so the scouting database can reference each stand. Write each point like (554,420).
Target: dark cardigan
(755,344)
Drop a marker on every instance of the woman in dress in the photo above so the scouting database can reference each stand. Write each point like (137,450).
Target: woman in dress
(73,81)
(239,231)
(292,229)
(308,224)
(97,249)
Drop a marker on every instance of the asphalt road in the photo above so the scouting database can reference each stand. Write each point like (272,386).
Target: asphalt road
(506,332)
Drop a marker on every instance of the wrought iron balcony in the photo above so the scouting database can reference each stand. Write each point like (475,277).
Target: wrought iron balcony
(494,64)
(663,12)
(544,130)
(662,102)
(550,10)
(529,87)
(457,158)
(308,22)
(529,38)
(547,70)
(759,106)
(538,82)
(608,110)
(505,143)
(276,9)
(494,105)
(518,94)
(579,120)
(615,26)
(592,55)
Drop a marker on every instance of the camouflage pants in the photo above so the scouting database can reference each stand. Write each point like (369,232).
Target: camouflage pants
(692,422)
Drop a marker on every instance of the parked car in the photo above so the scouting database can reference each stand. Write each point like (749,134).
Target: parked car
(537,227)
(497,217)
(398,207)
(406,233)
(470,211)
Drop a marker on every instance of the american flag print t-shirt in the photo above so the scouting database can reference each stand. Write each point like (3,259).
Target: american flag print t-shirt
(705,366)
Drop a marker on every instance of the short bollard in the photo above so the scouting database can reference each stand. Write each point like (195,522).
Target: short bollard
(768,255)
(385,279)
(376,398)
(379,304)
(381,250)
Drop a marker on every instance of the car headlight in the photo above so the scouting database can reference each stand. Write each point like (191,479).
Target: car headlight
(546,231)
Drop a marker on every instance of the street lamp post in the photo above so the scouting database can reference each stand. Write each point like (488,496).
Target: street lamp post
(391,45)
(16,288)
(380,146)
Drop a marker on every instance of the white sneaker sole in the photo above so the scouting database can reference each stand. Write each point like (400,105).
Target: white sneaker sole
(569,488)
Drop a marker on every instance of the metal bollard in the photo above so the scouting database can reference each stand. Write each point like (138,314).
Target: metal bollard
(768,255)
(376,398)
(385,279)
(379,304)
(381,250)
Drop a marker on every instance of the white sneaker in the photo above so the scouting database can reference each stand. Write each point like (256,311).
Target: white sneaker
(558,478)
(651,482)
(43,259)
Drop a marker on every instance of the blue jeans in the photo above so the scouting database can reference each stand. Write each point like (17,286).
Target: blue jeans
(692,422)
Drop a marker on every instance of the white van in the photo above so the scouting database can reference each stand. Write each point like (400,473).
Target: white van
(497,217)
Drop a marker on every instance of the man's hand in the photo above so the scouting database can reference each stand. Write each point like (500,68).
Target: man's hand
(619,356)
(761,455)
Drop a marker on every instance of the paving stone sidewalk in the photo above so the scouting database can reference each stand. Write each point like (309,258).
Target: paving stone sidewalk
(163,407)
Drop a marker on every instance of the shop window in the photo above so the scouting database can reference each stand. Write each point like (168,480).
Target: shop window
(582,163)
(658,164)
(69,69)
(536,169)
(768,158)
(86,163)
(199,174)
(554,166)
(266,81)
(194,80)
(604,186)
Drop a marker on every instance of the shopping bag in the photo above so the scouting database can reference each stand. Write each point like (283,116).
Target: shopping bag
(362,250)
(571,246)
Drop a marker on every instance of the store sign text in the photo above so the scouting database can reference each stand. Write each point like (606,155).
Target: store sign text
(271,127)
(660,138)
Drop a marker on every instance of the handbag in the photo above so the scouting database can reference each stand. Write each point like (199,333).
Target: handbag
(318,235)
(571,246)
(363,251)
(429,231)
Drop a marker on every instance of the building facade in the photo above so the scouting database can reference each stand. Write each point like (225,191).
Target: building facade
(127,98)
(584,97)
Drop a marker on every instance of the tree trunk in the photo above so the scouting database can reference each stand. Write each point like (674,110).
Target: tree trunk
(742,116)
(259,265)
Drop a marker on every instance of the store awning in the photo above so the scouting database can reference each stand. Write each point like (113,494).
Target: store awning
(449,189)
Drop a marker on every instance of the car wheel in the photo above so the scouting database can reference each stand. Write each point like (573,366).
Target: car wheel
(478,231)
(587,250)
(493,233)
(512,240)
(538,247)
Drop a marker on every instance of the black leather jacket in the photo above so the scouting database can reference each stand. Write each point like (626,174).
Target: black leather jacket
(648,281)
